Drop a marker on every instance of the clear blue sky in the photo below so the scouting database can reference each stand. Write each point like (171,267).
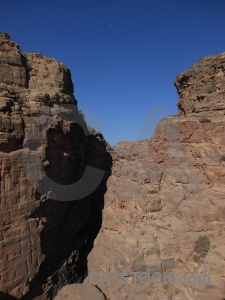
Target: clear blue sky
(123,54)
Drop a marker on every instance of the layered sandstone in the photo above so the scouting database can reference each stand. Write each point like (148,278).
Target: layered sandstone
(201,89)
(167,192)
(162,196)
(44,241)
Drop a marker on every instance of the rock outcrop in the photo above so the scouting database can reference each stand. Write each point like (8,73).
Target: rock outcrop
(44,242)
(164,207)
(201,89)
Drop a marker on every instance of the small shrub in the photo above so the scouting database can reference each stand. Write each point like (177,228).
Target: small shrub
(210,89)
(169,291)
(196,258)
(177,291)
(222,158)
(202,245)
(204,120)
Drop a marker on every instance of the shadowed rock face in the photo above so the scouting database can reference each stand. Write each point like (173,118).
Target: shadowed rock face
(167,192)
(44,242)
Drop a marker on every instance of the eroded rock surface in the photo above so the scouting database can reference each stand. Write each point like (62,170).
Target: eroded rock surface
(80,292)
(163,196)
(201,89)
(44,242)
(167,192)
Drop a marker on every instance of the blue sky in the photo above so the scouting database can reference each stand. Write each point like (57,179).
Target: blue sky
(123,54)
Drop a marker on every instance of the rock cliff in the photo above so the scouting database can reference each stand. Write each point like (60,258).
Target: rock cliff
(161,210)
(164,207)
(44,241)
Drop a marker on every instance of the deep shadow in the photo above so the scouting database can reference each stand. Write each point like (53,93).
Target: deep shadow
(70,229)
(4,296)
(28,69)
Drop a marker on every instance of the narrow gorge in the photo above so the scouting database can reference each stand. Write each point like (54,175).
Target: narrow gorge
(158,208)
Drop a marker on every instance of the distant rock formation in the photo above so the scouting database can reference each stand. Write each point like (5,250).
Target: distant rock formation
(44,242)
(164,207)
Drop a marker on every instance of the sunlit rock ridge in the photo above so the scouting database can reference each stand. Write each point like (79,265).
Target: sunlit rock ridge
(164,207)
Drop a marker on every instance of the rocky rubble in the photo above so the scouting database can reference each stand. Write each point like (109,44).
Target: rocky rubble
(44,242)
(165,194)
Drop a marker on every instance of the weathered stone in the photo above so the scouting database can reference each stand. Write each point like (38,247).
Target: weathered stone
(162,196)
(167,192)
(44,242)
(201,89)
(80,292)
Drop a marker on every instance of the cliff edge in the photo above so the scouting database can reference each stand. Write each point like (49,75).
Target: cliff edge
(45,236)
(164,208)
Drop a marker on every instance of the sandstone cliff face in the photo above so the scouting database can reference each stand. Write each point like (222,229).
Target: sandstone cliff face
(44,242)
(162,196)
(167,192)
(201,89)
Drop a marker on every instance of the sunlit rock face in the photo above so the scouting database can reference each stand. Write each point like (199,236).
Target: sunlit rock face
(167,192)
(201,89)
(44,242)
(164,205)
